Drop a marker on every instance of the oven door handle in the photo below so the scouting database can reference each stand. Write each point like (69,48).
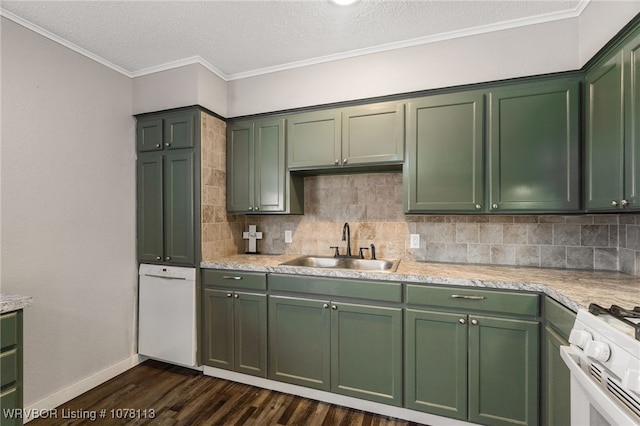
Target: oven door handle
(597,396)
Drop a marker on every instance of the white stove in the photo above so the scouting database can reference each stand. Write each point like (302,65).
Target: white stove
(604,359)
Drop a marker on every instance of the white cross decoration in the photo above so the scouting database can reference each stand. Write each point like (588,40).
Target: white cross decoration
(252,236)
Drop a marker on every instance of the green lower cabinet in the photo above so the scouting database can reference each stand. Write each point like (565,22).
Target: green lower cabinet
(469,367)
(235,331)
(556,381)
(350,349)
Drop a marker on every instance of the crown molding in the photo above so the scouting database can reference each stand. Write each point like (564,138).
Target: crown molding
(515,23)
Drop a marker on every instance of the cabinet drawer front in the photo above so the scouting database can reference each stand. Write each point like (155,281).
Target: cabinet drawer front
(8,330)
(474,299)
(372,290)
(9,367)
(234,279)
(559,317)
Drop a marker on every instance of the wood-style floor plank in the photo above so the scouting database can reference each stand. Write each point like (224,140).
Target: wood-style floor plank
(181,396)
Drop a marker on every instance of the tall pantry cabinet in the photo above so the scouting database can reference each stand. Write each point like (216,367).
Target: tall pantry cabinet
(168,191)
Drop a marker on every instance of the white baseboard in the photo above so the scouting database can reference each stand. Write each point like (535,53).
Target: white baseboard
(54,400)
(332,398)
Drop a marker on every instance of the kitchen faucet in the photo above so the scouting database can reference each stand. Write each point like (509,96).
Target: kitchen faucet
(346,235)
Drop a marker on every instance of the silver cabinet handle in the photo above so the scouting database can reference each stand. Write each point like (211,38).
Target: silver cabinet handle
(167,144)
(344,161)
(158,145)
(478,206)
(336,162)
(624,203)
(228,294)
(494,206)
(475,322)
(325,306)
(464,296)
(158,257)
(462,321)
(250,208)
(334,307)
(256,208)
(231,277)
(167,258)
(614,203)
(237,296)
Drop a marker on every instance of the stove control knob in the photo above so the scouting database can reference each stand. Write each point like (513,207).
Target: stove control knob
(631,380)
(599,351)
(580,338)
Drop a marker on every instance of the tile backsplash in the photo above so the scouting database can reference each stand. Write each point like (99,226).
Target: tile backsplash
(372,205)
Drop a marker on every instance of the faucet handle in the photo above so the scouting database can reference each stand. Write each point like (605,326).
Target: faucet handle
(373,252)
(360,254)
(336,253)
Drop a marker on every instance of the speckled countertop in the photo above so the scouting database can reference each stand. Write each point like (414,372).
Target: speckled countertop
(13,302)
(574,289)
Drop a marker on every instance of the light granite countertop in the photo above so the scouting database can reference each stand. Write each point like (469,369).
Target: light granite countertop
(574,289)
(13,302)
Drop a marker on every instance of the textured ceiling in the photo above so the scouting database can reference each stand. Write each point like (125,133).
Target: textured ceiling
(236,39)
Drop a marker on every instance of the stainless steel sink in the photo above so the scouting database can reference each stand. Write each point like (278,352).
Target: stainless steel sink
(355,264)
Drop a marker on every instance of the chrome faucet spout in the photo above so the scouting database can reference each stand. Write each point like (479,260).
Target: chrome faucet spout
(346,236)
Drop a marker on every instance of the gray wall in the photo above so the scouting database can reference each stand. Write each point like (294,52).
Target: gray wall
(68,209)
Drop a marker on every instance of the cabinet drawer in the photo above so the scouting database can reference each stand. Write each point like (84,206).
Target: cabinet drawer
(474,299)
(559,317)
(372,290)
(8,330)
(8,367)
(234,279)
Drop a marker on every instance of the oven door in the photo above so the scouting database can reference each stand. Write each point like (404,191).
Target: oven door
(591,404)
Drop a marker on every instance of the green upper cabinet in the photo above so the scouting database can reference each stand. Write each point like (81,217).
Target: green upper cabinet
(534,147)
(444,168)
(171,131)
(371,134)
(612,137)
(166,188)
(258,180)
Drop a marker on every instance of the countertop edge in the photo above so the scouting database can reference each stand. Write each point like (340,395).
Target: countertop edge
(14,302)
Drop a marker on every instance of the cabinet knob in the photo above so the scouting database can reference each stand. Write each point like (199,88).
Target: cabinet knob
(158,145)
(344,161)
(167,144)
(256,208)
(614,203)
(494,206)
(158,257)
(334,307)
(624,203)
(228,294)
(325,306)
(336,162)
(237,296)
(167,258)
(250,208)
(462,321)
(478,206)
(474,322)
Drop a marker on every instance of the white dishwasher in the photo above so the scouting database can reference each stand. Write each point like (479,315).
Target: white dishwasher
(167,314)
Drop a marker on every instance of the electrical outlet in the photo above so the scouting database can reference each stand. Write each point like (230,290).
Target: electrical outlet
(415,241)
(288,238)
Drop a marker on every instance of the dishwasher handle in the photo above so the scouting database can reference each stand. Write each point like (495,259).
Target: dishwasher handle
(164,276)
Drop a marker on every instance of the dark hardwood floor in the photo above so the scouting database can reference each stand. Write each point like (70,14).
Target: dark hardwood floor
(155,393)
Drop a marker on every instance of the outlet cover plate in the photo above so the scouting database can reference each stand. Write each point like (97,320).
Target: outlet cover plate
(288,238)
(415,241)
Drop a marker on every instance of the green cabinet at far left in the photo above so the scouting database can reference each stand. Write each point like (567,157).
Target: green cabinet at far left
(257,177)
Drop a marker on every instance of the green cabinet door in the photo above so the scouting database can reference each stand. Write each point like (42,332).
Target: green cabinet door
(503,371)
(631,55)
(444,166)
(373,134)
(556,381)
(240,167)
(180,129)
(270,166)
(604,135)
(300,341)
(436,363)
(235,331)
(179,229)
(366,352)
(534,147)
(218,328)
(250,333)
(150,208)
(314,139)
(149,134)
